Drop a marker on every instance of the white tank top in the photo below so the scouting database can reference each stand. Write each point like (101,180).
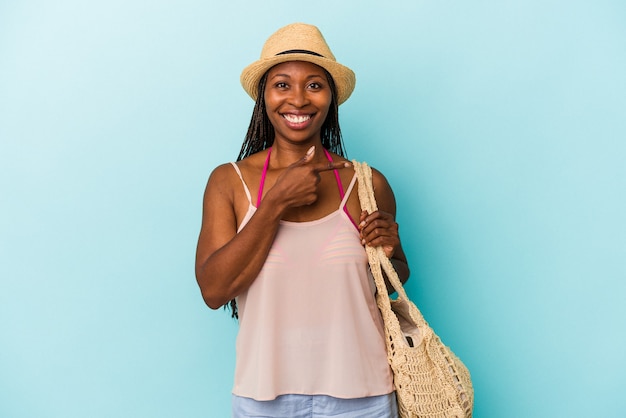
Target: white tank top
(309,323)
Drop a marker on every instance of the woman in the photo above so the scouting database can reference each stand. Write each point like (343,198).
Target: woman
(311,339)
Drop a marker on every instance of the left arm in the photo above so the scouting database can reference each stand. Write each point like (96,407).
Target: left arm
(380,228)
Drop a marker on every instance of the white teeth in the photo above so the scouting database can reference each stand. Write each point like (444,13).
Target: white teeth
(297,118)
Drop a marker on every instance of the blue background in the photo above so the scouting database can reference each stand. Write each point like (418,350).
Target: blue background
(500,125)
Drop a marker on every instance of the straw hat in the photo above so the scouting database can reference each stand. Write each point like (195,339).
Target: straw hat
(298,42)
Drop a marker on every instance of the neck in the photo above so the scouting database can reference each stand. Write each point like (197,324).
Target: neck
(284,155)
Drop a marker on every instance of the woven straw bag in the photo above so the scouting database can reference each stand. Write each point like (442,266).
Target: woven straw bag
(430,380)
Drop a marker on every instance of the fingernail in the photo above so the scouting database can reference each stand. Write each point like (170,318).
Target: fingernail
(347,165)
(362,224)
(311,150)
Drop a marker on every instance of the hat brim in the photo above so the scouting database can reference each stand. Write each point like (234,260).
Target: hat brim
(344,77)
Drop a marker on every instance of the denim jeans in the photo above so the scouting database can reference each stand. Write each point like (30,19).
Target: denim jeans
(316,406)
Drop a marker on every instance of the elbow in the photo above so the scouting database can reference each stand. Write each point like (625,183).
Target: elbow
(406,275)
(210,294)
(217,290)
(402,268)
(214,302)
(213,298)
(405,278)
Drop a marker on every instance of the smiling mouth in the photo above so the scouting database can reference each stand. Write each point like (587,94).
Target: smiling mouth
(296,118)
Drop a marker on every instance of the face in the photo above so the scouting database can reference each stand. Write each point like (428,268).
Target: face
(297,99)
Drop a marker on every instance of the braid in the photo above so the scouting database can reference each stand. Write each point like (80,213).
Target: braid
(260,136)
(260,133)
(331,132)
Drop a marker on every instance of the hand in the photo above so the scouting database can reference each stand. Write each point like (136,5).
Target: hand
(298,183)
(379,229)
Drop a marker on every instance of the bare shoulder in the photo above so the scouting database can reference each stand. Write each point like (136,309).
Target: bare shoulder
(379,179)
(223,171)
(252,163)
(384,194)
(222,175)
(221,186)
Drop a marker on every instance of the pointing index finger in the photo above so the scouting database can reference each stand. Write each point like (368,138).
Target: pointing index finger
(331,165)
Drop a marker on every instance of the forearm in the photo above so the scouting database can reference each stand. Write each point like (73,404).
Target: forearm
(402,269)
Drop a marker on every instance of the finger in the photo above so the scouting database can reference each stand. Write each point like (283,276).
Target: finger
(379,235)
(307,157)
(365,219)
(389,245)
(389,251)
(362,218)
(375,217)
(379,229)
(331,166)
(370,234)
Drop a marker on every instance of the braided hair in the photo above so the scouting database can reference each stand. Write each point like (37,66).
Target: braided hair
(260,135)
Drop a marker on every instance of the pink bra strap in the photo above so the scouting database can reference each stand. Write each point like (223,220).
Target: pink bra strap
(341,193)
(263,174)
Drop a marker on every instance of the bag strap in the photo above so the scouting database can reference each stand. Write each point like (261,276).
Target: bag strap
(376,255)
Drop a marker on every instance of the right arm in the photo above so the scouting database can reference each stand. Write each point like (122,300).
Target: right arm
(227,262)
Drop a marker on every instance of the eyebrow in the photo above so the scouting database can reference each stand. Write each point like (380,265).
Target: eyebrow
(288,76)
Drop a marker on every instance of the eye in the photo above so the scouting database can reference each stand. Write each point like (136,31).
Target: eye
(315,85)
(281,85)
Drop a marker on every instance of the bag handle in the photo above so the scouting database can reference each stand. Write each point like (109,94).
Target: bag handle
(376,255)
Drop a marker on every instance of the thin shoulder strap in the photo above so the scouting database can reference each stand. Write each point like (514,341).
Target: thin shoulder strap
(263,175)
(347,195)
(344,196)
(245,187)
(339,185)
(343,206)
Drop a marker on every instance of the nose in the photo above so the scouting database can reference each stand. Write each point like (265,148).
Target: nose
(298,97)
